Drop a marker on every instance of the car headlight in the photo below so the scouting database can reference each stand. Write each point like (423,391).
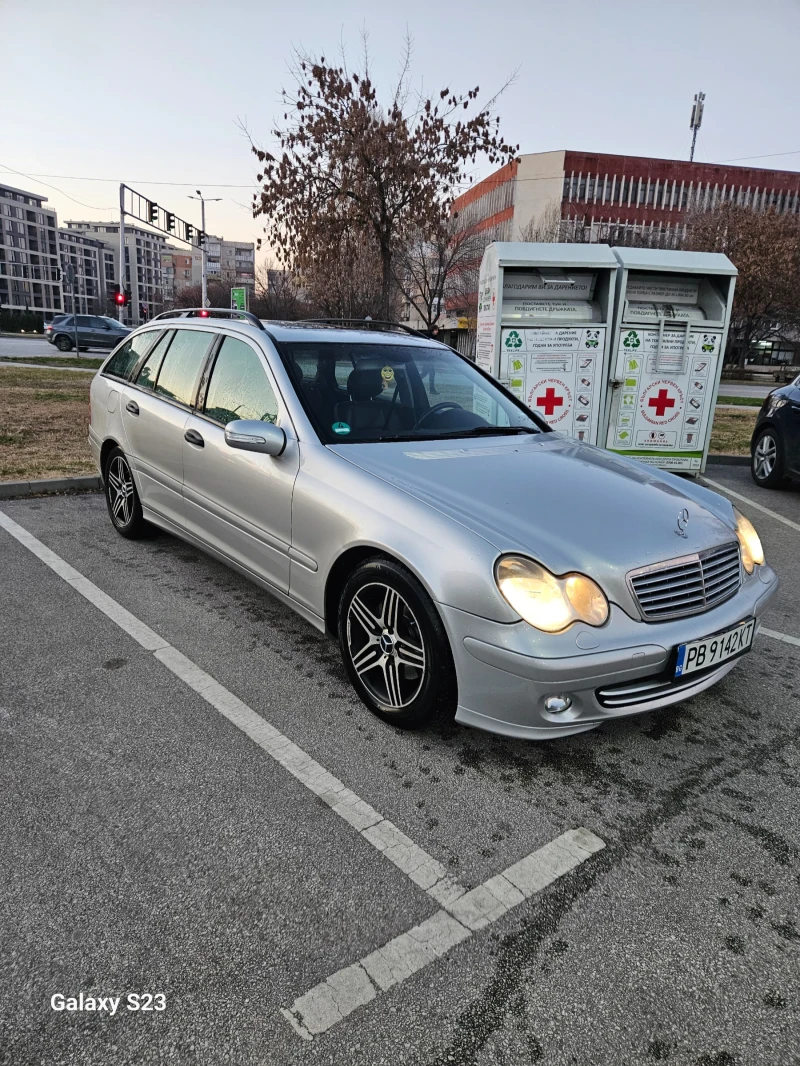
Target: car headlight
(749,542)
(548,602)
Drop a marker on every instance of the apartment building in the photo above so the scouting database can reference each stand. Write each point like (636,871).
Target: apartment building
(180,270)
(29,257)
(143,250)
(231,262)
(87,272)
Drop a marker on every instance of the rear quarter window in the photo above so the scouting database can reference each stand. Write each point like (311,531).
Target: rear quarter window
(125,358)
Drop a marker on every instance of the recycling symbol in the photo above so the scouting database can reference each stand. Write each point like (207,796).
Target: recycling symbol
(513,340)
(631,340)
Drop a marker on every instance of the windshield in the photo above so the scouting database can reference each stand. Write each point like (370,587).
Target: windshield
(383,392)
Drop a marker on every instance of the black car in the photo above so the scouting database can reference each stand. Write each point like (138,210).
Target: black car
(775,447)
(94,331)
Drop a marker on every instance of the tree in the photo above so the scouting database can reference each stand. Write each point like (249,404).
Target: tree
(219,295)
(349,165)
(278,293)
(342,277)
(544,227)
(765,248)
(432,269)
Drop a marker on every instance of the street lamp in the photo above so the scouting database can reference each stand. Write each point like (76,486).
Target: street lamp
(203,252)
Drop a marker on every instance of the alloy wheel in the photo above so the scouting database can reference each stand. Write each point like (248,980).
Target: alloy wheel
(765,456)
(120,490)
(385,645)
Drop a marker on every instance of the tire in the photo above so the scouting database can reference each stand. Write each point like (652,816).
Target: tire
(63,343)
(394,646)
(122,499)
(767,460)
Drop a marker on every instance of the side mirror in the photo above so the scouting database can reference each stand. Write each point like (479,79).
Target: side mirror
(251,436)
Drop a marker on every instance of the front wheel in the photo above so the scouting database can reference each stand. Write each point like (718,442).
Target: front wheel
(394,646)
(122,498)
(767,460)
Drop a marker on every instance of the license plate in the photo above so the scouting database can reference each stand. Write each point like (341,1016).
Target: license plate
(711,651)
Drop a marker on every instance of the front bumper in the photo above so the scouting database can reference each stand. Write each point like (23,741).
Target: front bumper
(505,672)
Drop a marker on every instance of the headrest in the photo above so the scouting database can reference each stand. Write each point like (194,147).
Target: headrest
(365,384)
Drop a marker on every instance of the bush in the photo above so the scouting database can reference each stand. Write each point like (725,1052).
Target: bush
(21,321)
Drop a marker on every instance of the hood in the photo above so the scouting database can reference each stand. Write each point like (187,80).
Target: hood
(568,505)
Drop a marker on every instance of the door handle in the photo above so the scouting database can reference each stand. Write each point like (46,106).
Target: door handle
(132,406)
(194,437)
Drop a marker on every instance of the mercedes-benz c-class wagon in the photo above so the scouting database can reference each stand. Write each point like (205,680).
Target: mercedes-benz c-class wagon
(469,560)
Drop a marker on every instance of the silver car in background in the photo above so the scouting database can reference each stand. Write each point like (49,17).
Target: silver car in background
(469,560)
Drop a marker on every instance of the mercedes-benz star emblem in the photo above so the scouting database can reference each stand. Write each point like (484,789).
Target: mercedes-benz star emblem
(683,522)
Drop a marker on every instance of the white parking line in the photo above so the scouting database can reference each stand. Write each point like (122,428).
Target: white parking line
(750,503)
(763,632)
(463,912)
(332,1000)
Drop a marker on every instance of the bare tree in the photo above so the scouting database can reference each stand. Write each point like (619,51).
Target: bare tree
(765,248)
(544,227)
(342,278)
(278,293)
(348,165)
(439,266)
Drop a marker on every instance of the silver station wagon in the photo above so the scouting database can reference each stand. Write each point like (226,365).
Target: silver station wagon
(469,560)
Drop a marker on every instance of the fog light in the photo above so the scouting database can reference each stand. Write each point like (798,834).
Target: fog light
(557,704)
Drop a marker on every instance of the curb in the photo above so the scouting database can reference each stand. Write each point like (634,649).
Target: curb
(14,489)
(728,460)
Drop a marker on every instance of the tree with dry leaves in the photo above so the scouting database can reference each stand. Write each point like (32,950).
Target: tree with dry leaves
(765,248)
(351,165)
(438,267)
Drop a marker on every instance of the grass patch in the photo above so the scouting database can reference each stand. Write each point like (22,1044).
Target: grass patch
(55,360)
(44,424)
(740,401)
(731,432)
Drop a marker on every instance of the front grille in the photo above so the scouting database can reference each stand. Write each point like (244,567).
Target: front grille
(689,585)
(631,693)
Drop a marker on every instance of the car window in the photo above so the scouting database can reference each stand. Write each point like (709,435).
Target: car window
(148,375)
(239,387)
(182,364)
(125,358)
(85,321)
(98,323)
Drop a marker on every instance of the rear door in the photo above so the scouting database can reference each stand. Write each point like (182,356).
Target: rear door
(87,333)
(240,502)
(155,413)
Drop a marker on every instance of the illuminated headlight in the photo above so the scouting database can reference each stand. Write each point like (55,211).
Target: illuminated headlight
(749,542)
(548,602)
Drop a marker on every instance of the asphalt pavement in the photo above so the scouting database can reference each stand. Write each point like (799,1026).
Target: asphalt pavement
(156,841)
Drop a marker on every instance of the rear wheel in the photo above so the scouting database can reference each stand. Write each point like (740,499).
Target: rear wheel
(122,498)
(394,646)
(64,344)
(767,464)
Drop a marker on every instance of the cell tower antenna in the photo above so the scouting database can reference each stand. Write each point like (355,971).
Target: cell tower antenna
(696,120)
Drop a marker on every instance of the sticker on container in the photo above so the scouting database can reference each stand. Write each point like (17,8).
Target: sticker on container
(341,428)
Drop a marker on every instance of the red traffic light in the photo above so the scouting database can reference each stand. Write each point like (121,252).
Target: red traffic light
(119,299)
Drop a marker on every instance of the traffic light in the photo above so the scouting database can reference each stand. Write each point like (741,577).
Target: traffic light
(201,237)
(189,232)
(170,222)
(152,213)
(121,296)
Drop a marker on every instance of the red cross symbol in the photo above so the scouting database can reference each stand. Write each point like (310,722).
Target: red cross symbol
(550,401)
(661,402)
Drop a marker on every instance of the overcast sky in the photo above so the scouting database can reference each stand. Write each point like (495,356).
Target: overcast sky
(147,92)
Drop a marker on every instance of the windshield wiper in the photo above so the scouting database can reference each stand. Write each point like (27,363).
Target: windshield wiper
(490,431)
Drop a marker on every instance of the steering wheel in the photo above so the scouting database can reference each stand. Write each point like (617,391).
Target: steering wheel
(446,405)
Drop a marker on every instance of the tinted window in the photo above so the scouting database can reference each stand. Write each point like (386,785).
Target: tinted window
(239,387)
(182,365)
(85,322)
(98,323)
(148,375)
(125,358)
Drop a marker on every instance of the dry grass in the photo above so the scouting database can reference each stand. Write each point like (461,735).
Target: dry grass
(732,431)
(44,422)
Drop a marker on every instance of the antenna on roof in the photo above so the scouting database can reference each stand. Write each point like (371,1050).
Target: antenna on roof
(696,120)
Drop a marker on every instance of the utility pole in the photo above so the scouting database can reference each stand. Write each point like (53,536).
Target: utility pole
(121,246)
(203,252)
(696,119)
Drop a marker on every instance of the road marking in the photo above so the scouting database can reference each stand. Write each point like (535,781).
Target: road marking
(425,871)
(462,913)
(779,636)
(751,503)
(332,1000)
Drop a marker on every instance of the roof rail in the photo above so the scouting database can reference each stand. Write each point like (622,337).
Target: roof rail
(363,323)
(209,312)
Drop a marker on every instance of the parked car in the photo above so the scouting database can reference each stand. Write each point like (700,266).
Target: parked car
(94,331)
(775,444)
(467,558)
